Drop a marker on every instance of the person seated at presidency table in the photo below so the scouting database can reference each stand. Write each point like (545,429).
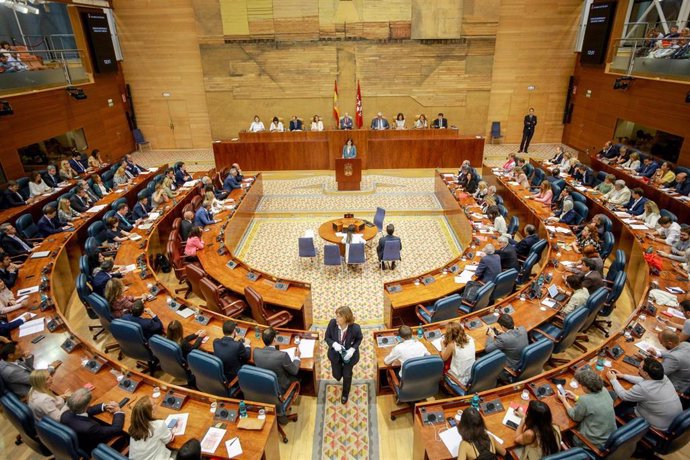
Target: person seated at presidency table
(203,215)
(42,401)
(636,205)
(676,359)
(37,186)
(421,122)
(119,303)
(296,123)
(8,303)
(507,254)
(476,442)
(619,195)
(95,161)
(608,151)
(458,348)
(187,343)
(510,340)
(664,176)
(545,194)
(316,123)
(400,121)
(76,164)
(121,178)
(12,197)
(99,187)
(231,182)
(440,122)
(668,231)
(16,367)
(656,398)
(257,125)
(193,243)
(606,185)
(346,121)
(186,225)
(150,326)
(51,177)
(343,337)
(680,185)
(66,213)
(349,149)
(66,173)
(231,350)
(82,419)
(680,247)
(148,434)
(409,348)
(648,168)
(633,163)
(390,229)
(593,410)
(269,357)
(8,270)
(105,272)
(49,224)
(379,123)
(276,126)
(181,174)
(523,246)
(536,432)
(12,243)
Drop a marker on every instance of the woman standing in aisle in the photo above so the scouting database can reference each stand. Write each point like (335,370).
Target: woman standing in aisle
(343,337)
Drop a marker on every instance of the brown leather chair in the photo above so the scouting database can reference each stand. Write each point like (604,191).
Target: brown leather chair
(219,299)
(194,276)
(263,315)
(178,263)
(176,223)
(187,207)
(217,181)
(196,202)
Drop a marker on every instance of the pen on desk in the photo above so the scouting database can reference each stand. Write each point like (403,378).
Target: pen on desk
(232,441)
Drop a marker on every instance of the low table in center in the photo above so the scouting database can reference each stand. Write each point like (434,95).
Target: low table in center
(328,230)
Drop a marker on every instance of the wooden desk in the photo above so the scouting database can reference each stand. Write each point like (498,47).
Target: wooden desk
(328,232)
(414,148)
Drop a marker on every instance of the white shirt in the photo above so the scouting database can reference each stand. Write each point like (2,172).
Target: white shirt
(500,225)
(256,127)
(650,220)
(420,124)
(406,350)
(618,197)
(153,447)
(670,234)
(101,187)
(462,361)
(399,124)
(277,127)
(317,125)
(38,189)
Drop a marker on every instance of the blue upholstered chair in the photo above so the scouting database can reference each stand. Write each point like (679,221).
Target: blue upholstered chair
(443,309)
(100,306)
(21,417)
(607,245)
(419,380)
(27,228)
(513,225)
(564,336)
(526,270)
(171,359)
(332,257)
(59,439)
(502,210)
(391,252)
(482,300)
(83,292)
(581,210)
(621,443)
(355,255)
(578,197)
(538,249)
(574,453)
(495,131)
(614,292)
(532,361)
(115,204)
(505,283)
(667,213)
(676,437)
(261,385)
(97,230)
(538,177)
(483,375)
(104,452)
(133,344)
(594,304)
(379,216)
(210,378)
(306,248)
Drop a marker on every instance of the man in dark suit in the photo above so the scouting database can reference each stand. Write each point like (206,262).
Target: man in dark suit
(681,185)
(51,177)
(440,122)
(637,201)
(48,224)
(591,279)
(390,228)
(102,276)
(648,167)
(90,195)
(150,326)
(346,122)
(204,216)
(80,201)
(609,151)
(141,208)
(181,175)
(277,361)
(12,196)
(507,254)
(130,166)
(510,340)
(530,123)
(81,418)
(295,124)
(584,175)
(186,225)
(76,164)
(231,181)
(523,246)
(233,353)
(489,266)
(8,271)
(121,214)
(379,122)
(12,243)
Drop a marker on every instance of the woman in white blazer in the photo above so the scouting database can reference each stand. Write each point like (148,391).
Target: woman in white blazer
(41,399)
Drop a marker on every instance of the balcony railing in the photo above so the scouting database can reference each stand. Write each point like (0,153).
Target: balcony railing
(662,58)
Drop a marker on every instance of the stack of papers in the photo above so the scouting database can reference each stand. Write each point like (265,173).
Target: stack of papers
(673,312)
(472,268)
(306,348)
(212,440)
(639,227)
(511,416)
(185,312)
(39,254)
(27,291)
(451,439)
(622,214)
(32,327)
(95,209)
(154,215)
(134,237)
(145,226)
(464,277)
(291,352)
(549,302)
(128,268)
(181,423)
(190,183)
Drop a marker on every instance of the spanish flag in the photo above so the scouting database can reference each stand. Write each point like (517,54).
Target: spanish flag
(336,112)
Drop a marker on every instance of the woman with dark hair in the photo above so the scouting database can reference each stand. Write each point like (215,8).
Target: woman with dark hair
(176,334)
(587,237)
(148,434)
(498,222)
(476,442)
(471,182)
(536,432)
(400,121)
(349,149)
(343,337)
(95,160)
(276,126)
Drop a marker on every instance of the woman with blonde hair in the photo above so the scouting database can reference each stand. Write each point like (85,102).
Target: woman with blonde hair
(8,303)
(159,197)
(117,300)
(482,190)
(459,347)
(168,184)
(66,172)
(41,399)
(545,194)
(521,176)
(651,214)
(120,177)
(633,162)
(148,435)
(343,337)
(65,212)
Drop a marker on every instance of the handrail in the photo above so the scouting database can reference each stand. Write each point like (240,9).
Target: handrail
(667,58)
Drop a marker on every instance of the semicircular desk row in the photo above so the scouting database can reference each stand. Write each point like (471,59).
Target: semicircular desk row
(529,313)
(83,360)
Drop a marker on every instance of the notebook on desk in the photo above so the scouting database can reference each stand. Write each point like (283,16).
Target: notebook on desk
(555,294)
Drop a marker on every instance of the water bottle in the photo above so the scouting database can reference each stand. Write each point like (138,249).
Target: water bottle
(420,331)
(475,401)
(257,333)
(243,410)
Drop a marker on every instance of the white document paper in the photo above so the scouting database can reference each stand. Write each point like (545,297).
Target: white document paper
(563,230)
(306,348)
(471,268)
(190,183)
(119,190)
(95,209)
(181,423)
(511,417)
(499,440)
(631,221)
(27,291)
(134,237)
(549,302)
(639,227)
(622,214)
(437,343)
(451,439)
(464,277)
(234,447)
(128,268)
(39,254)
(154,215)
(677,313)
(212,439)
(32,327)
(24,297)
(145,226)
(152,169)
(644,345)
(290,352)
(185,312)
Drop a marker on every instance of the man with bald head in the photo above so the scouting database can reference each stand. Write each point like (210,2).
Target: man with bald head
(186,225)
(379,122)
(681,184)
(676,356)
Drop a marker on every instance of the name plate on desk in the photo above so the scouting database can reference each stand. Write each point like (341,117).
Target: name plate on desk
(473,324)
(387,341)
(129,385)
(281,286)
(491,407)
(427,280)
(540,391)
(251,276)
(433,334)
(231,264)
(393,288)
(283,339)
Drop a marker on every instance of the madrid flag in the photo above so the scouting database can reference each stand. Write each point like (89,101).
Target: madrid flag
(359,116)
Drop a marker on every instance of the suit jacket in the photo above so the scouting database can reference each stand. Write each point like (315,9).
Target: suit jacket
(185,229)
(12,245)
(508,256)
(139,211)
(231,183)
(346,123)
(382,244)
(52,181)
(90,431)
(47,227)
(100,279)
(383,124)
(203,217)
(353,339)
(570,217)
(15,375)
(295,125)
(125,224)
(279,362)
(588,177)
(530,122)
(77,166)
(133,168)
(592,281)
(233,353)
(636,207)
(444,123)
(611,152)
(488,268)
(79,204)
(97,190)
(649,170)
(683,188)
(181,177)
(524,245)
(150,326)
(13,199)
(8,277)
(6,328)
(511,343)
